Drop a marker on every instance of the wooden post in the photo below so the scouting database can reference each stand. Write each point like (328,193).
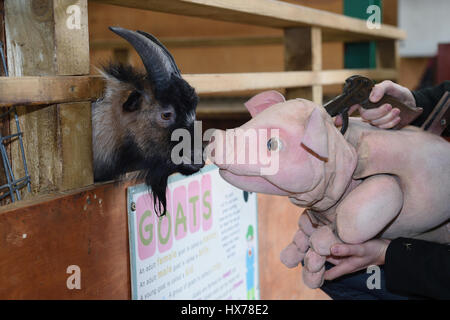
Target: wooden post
(387,54)
(303,51)
(50,37)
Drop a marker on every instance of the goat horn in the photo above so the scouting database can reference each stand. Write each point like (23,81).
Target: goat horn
(157,60)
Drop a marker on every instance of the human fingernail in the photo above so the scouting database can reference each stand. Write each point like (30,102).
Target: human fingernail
(335,250)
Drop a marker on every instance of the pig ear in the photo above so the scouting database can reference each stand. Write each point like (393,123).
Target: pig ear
(315,138)
(263,100)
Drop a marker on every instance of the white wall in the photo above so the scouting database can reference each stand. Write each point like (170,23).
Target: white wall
(427,23)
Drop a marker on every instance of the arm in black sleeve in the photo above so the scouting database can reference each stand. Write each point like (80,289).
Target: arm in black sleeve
(427,99)
(418,267)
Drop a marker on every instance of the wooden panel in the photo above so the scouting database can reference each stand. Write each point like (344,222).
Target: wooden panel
(48,37)
(277,223)
(38,241)
(303,51)
(266,13)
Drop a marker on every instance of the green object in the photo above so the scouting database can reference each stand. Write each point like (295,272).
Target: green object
(361,54)
(249,234)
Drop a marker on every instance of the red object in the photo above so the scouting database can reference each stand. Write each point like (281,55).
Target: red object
(443,63)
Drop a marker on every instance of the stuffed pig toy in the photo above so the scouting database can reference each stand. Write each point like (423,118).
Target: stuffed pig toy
(368,183)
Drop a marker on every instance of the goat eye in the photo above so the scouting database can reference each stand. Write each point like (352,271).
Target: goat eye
(133,102)
(166,115)
(274,144)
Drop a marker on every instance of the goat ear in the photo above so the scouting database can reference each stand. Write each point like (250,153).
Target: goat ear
(263,100)
(315,138)
(133,102)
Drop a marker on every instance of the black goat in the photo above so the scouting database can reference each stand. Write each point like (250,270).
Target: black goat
(134,121)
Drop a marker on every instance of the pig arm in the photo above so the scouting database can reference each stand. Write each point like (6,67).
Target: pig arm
(368,209)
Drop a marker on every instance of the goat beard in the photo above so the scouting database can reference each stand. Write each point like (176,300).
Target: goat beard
(155,174)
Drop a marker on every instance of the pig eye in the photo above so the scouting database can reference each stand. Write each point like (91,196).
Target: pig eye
(166,115)
(274,144)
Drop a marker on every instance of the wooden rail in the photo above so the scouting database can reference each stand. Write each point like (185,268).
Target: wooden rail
(269,13)
(58,89)
(191,42)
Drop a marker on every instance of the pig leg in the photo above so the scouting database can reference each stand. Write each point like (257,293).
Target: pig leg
(321,241)
(294,253)
(368,209)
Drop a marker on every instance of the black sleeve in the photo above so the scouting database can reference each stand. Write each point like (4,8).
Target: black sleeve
(418,267)
(427,99)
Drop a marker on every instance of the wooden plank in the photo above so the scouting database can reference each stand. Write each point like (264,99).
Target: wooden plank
(303,51)
(34,91)
(49,38)
(78,155)
(40,240)
(276,231)
(214,83)
(49,90)
(267,13)
(71,37)
(189,42)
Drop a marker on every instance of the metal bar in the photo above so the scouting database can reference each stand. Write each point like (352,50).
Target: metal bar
(22,149)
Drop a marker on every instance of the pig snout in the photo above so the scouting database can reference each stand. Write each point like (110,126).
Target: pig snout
(229,151)
(216,149)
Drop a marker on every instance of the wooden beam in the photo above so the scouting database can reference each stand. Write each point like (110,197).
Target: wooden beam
(235,82)
(34,91)
(268,13)
(190,42)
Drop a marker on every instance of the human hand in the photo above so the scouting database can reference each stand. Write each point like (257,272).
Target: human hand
(349,258)
(384,117)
